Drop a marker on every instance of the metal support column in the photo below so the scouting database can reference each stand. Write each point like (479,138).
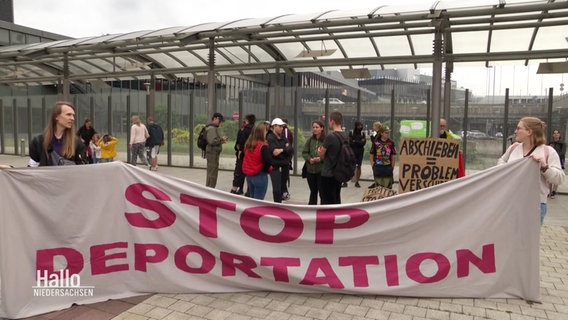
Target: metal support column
(211,85)
(437,83)
(66,83)
(465,126)
(505,120)
(359,104)
(549,115)
(447,93)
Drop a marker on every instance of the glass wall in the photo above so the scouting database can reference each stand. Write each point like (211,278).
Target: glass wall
(181,108)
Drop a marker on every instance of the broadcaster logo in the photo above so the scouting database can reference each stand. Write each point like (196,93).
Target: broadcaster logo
(60,284)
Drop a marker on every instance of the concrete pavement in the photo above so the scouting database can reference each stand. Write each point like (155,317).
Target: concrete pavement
(292,306)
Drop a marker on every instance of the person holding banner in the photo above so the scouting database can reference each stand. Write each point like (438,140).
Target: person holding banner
(383,157)
(58,140)
(445,133)
(314,163)
(531,142)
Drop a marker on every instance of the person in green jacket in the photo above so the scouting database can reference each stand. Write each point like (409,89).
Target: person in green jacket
(313,162)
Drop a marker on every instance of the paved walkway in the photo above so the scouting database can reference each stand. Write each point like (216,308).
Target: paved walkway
(293,306)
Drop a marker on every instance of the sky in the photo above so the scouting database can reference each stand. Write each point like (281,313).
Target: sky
(85,18)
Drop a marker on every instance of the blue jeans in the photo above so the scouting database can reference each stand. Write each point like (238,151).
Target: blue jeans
(542,212)
(257,185)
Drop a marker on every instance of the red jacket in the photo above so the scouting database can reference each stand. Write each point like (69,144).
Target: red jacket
(253,161)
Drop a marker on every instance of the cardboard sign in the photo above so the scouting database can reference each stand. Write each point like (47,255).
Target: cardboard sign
(377,193)
(425,162)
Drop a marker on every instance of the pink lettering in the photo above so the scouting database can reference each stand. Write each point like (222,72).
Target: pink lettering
(207,259)
(486,263)
(293,225)
(280,266)
(99,258)
(391,269)
(135,194)
(230,265)
(45,257)
(359,264)
(413,267)
(141,257)
(326,222)
(207,212)
(330,277)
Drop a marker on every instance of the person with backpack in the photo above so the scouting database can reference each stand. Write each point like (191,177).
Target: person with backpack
(383,158)
(154,142)
(329,151)
(213,150)
(531,142)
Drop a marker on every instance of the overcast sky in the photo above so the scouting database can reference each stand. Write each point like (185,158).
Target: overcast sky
(85,18)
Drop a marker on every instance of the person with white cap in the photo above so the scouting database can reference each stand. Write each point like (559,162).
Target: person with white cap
(281,152)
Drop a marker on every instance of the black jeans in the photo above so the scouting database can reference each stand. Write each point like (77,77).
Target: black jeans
(278,182)
(314,184)
(238,175)
(330,190)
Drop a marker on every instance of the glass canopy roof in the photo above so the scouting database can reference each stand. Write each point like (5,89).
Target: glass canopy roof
(483,32)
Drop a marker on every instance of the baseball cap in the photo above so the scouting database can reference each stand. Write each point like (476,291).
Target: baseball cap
(218,115)
(277,122)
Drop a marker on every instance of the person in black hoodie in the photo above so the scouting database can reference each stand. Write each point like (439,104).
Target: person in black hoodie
(281,152)
(242,136)
(357,141)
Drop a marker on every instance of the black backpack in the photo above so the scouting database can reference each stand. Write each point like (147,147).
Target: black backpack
(202,141)
(345,168)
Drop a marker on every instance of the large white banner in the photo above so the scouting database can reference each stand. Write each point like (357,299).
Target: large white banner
(84,234)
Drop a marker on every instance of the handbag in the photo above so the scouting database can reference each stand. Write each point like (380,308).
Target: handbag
(58,160)
(305,171)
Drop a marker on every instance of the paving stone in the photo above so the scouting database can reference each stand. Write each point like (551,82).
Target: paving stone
(415,311)
(356,310)
(498,315)
(378,314)
(318,314)
(277,315)
(334,306)
(158,313)
(437,314)
(218,315)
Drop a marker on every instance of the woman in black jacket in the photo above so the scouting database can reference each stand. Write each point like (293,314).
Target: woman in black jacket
(357,141)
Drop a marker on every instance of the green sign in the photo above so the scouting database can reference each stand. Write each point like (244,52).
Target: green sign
(413,129)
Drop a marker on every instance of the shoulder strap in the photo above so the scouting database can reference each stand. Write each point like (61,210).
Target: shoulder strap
(339,136)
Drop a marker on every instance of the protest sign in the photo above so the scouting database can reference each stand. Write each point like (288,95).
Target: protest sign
(425,162)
